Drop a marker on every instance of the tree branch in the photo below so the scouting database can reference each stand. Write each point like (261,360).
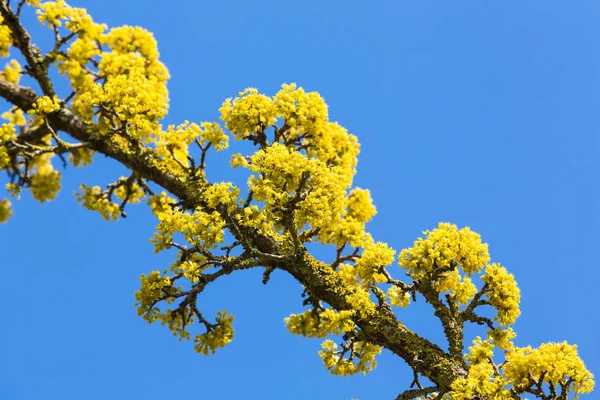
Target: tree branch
(414,393)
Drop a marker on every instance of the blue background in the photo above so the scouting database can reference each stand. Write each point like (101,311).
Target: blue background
(477,113)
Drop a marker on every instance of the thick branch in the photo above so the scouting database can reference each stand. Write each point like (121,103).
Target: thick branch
(452,326)
(144,163)
(379,325)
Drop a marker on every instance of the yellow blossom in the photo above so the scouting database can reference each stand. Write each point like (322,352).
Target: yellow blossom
(504,294)
(12,71)
(5,210)
(364,352)
(217,337)
(249,113)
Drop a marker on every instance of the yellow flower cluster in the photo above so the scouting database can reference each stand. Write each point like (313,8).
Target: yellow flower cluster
(45,181)
(79,53)
(153,287)
(213,133)
(93,199)
(502,337)
(374,257)
(313,160)
(7,133)
(305,120)
(12,72)
(5,38)
(44,105)
(161,204)
(83,25)
(461,288)
(132,192)
(238,160)
(398,297)
(311,324)
(503,294)
(481,379)
(82,50)
(173,144)
(175,322)
(222,193)
(442,255)
(132,90)
(132,39)
(332,144)
(348,273)
(443,247)
(81,157)
(360,205)
(14,189)
(481,351)
(5,210)
(133,97)
(305,115)
(191,268)
(249,113)
(346,229)
(557,363)
(45,185)
(302,112)
(364,352)
(360,300)
(281,170)
(15,117)
(255,218)
(217,337)
(52,12)
(201,229)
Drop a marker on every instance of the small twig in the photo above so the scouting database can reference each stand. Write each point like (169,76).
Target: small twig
(228,249)
(475,302)
(480,320)
(69,97)
(249,198)
(19,7)
(414,393)
(267,275)
(416,380)
(204,150)
(349,257)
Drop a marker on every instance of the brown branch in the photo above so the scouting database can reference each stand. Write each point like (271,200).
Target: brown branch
(145,163)
(379,325)
(20,7)
(340,259)
(480,320)
(452,325)
(414,393)
(475,302)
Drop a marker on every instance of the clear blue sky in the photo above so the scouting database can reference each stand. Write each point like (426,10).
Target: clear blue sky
(483,114)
